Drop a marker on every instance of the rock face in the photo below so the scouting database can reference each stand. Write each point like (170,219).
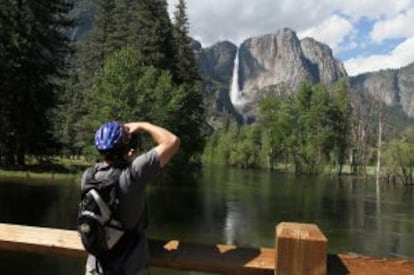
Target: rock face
(279,62)
(217,61)
(215,65)
(282,59)
(406,89)
(394,87)
(326,67)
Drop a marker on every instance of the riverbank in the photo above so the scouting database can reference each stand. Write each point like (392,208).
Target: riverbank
(63,167)
(59,168)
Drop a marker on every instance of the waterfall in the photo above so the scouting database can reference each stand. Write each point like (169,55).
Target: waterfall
(234,89)
(236,96)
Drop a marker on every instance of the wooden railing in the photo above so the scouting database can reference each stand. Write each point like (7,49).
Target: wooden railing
(301,249)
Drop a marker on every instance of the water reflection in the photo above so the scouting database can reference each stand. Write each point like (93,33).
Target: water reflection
(231,223)
(233,207)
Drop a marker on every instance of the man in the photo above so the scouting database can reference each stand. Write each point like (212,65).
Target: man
(112,141)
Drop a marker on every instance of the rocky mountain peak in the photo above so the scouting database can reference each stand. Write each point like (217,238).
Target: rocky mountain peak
(216,62)
(282,59)
(393,87)
(326,68)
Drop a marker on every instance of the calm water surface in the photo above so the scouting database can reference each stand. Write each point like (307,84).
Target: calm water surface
(228,206)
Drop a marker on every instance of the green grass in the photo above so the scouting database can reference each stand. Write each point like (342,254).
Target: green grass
(28,174)
(55,169)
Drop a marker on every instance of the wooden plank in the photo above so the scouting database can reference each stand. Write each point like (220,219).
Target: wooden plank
(41,240)
(177,255)
(301,249)
(170,254)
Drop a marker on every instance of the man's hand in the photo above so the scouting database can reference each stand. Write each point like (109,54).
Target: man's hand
(167,142)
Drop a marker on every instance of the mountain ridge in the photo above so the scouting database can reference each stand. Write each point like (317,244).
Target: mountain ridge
(280,61)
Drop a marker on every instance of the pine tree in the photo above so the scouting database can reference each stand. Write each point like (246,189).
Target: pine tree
(127,69)
(35,49)
(186,67)
(72,114)
(150,31)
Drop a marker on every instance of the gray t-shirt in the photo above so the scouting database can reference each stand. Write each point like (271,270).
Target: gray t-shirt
(132,204)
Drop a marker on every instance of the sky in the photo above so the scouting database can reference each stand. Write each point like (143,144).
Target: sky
(366,35)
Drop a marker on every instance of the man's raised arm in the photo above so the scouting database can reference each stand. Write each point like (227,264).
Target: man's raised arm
(167,142)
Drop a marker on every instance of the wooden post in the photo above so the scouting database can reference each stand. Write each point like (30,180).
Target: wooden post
(301,249)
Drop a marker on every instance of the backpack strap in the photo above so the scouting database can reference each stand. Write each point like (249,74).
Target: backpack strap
(104,209)
(88,180)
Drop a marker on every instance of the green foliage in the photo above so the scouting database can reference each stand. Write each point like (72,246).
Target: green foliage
(275,119)
(129,68)
(33,50)
(341,118)
(398,158)
(150,31)
(185,65)
(307,129)
(127,91)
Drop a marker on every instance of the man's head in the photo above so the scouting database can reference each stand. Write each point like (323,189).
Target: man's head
(111,140)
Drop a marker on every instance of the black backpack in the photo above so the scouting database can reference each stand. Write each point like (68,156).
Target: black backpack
(98,223)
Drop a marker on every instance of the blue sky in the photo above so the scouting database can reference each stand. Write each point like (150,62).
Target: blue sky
(366,35)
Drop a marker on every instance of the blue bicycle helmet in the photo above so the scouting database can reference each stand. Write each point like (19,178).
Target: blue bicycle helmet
(111,135)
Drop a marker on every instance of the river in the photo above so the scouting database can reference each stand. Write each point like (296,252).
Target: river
(228,206)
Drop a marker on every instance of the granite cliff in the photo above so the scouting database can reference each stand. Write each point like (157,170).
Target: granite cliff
(282,59)
(272,62)
(279,62)
(394,87)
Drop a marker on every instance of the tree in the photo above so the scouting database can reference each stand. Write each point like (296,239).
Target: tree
(307,131)
(34,49)
(127,91)
(150,31)
(186,68)
(341,115)
(363,112)
(275,120)
(398,158)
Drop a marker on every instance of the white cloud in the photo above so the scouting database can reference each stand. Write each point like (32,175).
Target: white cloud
(399,26)
(372,9)
(333,22)
(401,56)
(236,20)
(332,32)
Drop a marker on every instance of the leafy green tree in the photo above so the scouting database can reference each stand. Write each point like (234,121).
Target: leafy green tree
(127,91)
(275,121)
(72,123)
(246,152)
(307,127)
(307,136)
(225,139)
(341,119)
(398,158)
(117,24)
